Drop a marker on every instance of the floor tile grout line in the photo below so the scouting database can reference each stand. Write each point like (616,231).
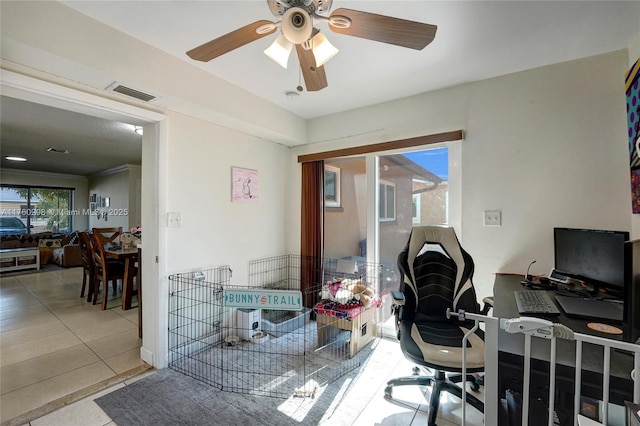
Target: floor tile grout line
(56,375)
(76,396)
(68,328)
(56,315)
(32,292)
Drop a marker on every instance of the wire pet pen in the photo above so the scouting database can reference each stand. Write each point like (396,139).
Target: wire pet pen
(266,352)
(195,322)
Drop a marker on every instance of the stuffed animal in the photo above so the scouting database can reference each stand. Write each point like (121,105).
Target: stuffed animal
(343,291)
(361,292)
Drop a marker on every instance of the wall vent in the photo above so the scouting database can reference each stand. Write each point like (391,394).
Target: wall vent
(117,87)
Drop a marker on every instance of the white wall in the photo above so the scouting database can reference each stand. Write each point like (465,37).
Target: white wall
(79,183)
(115,186)
(214,230)
(121,186)
(135,196)
(545,146)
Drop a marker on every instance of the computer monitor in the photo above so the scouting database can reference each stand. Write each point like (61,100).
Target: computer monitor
(595,257)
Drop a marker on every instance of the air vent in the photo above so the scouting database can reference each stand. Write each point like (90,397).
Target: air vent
(116,87)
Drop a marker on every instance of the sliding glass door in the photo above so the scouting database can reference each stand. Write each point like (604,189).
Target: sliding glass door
(413,190)
(373,201)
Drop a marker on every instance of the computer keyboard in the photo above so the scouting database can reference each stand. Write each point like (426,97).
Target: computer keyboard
(535,302)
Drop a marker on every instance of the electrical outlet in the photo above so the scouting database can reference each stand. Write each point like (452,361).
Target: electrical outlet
(174,220)
(492,218)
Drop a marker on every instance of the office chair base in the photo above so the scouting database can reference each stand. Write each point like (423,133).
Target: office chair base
(439,383)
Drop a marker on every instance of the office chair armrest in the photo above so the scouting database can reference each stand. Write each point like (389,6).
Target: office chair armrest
(397,298)
(397,304)
(488,304)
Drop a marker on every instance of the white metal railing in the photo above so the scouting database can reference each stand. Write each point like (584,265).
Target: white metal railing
(543,329)
(490,366)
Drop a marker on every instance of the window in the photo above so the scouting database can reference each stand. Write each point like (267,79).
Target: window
(387,201)
(331,186)
(416,209)
(39,208)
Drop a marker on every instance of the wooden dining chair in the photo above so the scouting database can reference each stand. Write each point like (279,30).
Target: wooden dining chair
(110,235)
(105,271)
(88,268)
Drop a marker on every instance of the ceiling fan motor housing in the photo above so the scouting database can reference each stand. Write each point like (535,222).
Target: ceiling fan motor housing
(279,7)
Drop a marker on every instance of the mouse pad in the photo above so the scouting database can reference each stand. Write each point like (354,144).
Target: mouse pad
(604,328)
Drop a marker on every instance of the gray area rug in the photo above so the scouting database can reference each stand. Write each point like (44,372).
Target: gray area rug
(171,398)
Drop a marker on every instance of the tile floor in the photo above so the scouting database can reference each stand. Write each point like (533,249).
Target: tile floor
(407,408)
(54,343)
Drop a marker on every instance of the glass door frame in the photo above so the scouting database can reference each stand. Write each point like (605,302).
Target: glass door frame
(454,211)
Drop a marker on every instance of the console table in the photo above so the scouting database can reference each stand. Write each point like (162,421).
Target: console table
(19,258)
(511,350)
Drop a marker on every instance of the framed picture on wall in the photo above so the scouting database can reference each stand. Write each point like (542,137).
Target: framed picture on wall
(245,185)
(632,86)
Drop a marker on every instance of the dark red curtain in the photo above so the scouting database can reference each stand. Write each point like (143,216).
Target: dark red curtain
(311,246)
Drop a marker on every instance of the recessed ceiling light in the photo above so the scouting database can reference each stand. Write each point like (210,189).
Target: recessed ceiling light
(16,158)
(291,94)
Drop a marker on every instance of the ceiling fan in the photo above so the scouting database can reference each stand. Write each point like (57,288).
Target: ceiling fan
(297,20)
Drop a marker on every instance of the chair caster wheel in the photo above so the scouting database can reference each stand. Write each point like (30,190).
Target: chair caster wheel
(387,392)
(416,371)
(475,386)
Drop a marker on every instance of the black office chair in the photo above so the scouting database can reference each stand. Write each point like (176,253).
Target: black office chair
(436,275)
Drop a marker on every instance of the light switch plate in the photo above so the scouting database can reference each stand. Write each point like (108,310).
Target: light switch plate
(492,218)
(174,220)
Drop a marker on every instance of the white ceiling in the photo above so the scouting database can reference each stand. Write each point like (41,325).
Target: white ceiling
(94,144)
(475,40)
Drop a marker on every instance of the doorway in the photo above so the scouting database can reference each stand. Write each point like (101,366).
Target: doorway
(153,183)
(154,144)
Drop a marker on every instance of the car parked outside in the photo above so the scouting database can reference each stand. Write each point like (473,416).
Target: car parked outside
(12,225)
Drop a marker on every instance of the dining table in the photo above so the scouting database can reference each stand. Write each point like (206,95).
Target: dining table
(128,255)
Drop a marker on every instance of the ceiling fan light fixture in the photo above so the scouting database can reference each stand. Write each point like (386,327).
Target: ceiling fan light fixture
(323,50)
(297,25)
(280,50)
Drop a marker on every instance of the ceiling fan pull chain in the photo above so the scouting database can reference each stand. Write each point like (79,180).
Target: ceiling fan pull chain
(299,88)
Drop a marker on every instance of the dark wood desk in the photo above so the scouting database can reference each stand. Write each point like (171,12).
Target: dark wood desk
(129,256)
(511,350)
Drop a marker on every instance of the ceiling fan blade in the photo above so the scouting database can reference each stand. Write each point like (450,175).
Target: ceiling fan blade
(229,42)
(385,29)
(314,77)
